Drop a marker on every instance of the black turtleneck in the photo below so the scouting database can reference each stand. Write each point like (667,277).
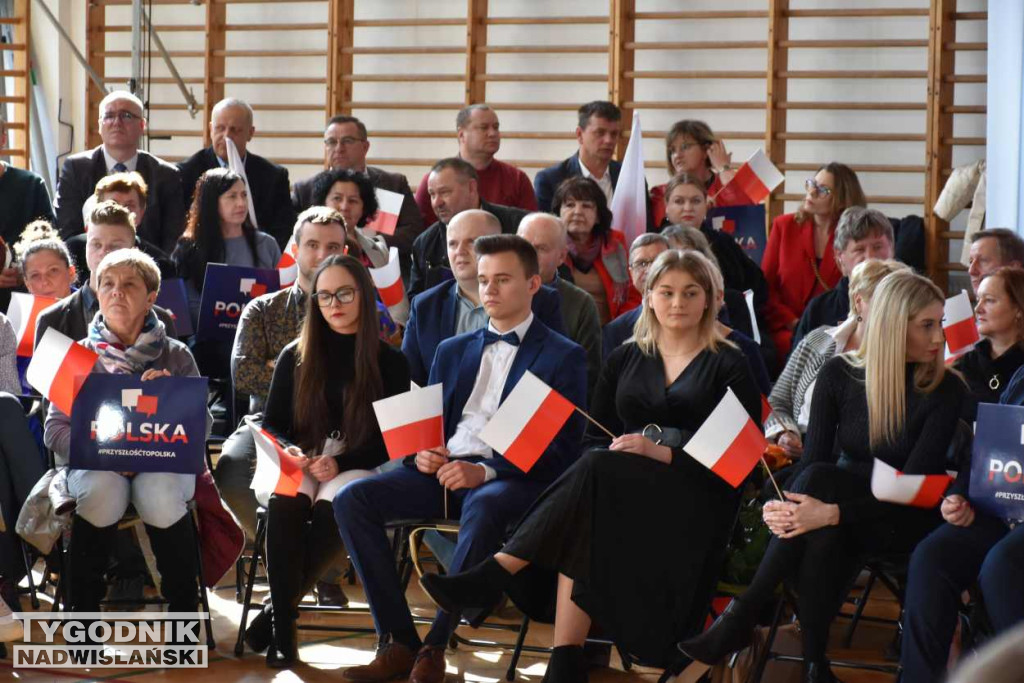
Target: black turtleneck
(277,416)
(986,376)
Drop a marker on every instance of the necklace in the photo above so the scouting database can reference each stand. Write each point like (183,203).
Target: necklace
(993,383)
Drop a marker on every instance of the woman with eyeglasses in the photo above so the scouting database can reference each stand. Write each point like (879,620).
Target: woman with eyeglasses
(798,262)
(320,399)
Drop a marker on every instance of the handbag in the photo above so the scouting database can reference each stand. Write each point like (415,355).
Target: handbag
(38,522)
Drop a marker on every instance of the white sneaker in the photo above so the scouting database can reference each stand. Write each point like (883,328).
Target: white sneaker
(10,628)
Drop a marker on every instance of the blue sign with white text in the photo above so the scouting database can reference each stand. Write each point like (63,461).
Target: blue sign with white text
(997,461)
(745,224)
(172,297)
(226,291)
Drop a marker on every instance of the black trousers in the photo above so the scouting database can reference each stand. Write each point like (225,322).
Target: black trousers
(21,466)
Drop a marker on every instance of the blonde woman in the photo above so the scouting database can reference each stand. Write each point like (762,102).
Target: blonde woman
(865,406)
(618,527)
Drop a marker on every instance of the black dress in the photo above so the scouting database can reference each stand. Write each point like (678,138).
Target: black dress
(987,377)
(642,540)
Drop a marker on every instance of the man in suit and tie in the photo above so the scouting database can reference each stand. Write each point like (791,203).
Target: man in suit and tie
(267,182)
(485,492)
(452,308)
(121,128)
(453,187)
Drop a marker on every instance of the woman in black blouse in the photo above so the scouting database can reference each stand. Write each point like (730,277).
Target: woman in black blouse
(890,400)
(619,526)
(320,399)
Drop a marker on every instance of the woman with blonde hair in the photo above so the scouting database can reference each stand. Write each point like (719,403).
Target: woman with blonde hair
(602,527)
(892,400)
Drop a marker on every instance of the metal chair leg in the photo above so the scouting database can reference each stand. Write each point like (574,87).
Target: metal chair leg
(510,675)
(862,602)
(203,596)
(27,555)
(261,532)
(766,653)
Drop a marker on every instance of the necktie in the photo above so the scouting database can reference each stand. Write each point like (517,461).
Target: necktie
(120,168)
(509,338)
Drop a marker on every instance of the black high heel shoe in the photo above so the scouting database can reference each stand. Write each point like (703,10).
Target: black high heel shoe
(732,631)
(480,587)
(284,652)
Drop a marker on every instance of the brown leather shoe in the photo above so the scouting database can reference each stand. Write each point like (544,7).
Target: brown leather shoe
(430,665)
(393,660)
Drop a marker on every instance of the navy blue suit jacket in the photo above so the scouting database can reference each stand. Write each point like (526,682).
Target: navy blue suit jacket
(547,181)
(616,332)
(432,320)
(555,360)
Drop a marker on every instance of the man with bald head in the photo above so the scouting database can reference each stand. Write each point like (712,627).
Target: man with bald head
(548,236)
(269,188)
(452,308)
(121,127)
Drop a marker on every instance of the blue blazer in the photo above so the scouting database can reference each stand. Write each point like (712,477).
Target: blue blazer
(618,331)
(547,181)
(560,363)
(432,320)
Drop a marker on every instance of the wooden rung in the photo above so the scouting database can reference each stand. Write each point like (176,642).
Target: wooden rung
(388,23)
(541,49)
(965,109)
(965,78)
(269,53)
(389,78)
(722,134)
(275,27)
(165,28)
(970,16)
(11,152)
(125,54)
(14,125)
(531,21)
(534,106)
(693,105)
(966,142)
(541,78)
(165,133)
(403,50)
(855,106)
(400,161)
(288,107)
(182,107)
(164,80)
(965,47)
(407,105)
(877,199)
(952,234)
(866,137)
(734,14)
(12,47)
(858,168)
(12,99)
(701,45)
(12,73)
(10,21)
(880,12)
(265,80)
(852,43)
(695,74)
(952,267)
(852,74)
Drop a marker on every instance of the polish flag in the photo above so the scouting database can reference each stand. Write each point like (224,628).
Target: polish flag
(22,312)
(729,443)
(411,422)
(766,409)
(890,485)
(757,177)
(287,268)
(388,280)
(629,202)
(958,324)
(57,367)
(389,207)
(527,422)
(277,470)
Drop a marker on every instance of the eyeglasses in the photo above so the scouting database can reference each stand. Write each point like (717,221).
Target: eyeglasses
(345,141)
(124,116)
(641,264)
(814,188)
(345,295)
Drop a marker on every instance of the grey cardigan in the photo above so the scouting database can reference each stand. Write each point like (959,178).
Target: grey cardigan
(57,430)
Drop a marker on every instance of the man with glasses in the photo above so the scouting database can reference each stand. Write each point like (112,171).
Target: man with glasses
(345,146)
(642,253)
(121,128)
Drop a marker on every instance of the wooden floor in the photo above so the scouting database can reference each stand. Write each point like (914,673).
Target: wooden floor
(326,654)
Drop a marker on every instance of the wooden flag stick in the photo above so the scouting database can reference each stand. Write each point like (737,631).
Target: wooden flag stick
(599,425)
(770,476)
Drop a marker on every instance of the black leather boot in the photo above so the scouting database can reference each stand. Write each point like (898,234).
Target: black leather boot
(89,551)
(287,539)
(480,587)
(175,551)
(260,633)
(568,664)
(819,672)
(733,630)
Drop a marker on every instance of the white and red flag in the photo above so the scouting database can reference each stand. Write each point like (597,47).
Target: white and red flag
(411,422)
(22,312)
(629,202)
(389,206)
(527,421)
(388,280)
(58,367)
(288,267)
(277,470)
(729,443)
(757,177)
(890,485)
(958,324)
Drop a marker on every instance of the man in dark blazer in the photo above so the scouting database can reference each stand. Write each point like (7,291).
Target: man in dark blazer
(345,146)
(452,308)
(452,184)
(486,493)
(121,128)
(268,183)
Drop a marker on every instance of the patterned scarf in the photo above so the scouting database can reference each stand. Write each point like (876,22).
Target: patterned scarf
(120,359)
(583,257)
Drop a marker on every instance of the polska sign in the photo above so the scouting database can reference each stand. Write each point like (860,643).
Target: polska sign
(226,291)
(997,461)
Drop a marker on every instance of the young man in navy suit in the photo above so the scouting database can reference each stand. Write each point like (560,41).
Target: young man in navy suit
(486,493)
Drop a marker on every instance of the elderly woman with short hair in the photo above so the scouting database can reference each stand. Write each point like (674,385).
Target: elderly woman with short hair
(129,339)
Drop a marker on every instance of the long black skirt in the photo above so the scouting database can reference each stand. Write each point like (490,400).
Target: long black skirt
(644,543)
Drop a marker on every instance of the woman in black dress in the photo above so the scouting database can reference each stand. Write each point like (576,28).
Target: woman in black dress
(891,400)
(320,399)
(618,526)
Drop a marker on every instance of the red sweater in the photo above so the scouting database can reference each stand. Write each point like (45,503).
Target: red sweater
(499,183)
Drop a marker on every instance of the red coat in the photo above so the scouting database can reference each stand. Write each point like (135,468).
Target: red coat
(788,266)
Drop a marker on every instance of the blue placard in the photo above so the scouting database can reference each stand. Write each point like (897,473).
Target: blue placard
(172,297)
(745,224)
(997,459)
(226,291)
(123,424)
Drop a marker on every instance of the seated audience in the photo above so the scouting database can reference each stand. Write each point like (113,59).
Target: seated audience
(892,400)
(485,492)
(691,148)
(129,339)
(642,253)
(992,249)
(121,126)
(791,396)
(548,236)
(345,147)
(266,182)
(598,258)
(799,262)
(453,308)
(479,140)
(452,184)
(861,234)
(321,400)
(633,491)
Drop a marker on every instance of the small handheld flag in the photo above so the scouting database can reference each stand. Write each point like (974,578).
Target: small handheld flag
(288,267)
(277,470)
(22,312)
(389,206)
(412,421)
(918,490)
(56,367)
(958,324)
(757,177)
(729,443)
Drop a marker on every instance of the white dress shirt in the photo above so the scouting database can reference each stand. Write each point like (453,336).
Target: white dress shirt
(483,401)
(604,182)
(111,161)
